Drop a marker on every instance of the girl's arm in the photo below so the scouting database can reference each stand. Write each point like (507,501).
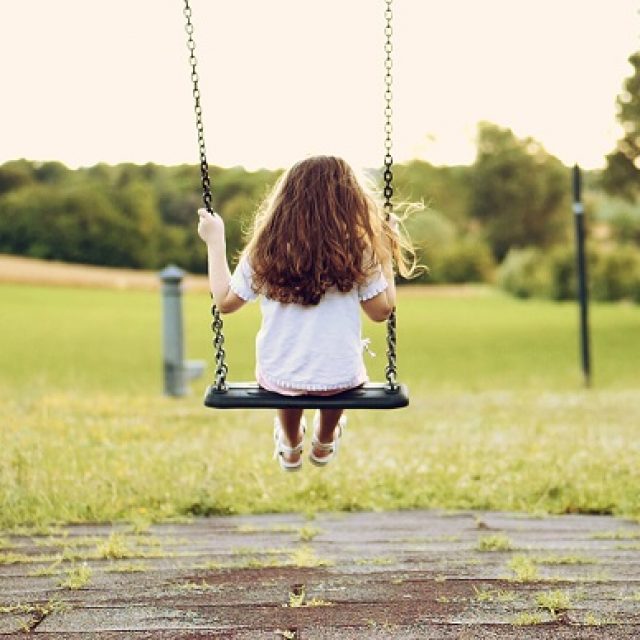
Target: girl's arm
(379,307)
(211,230)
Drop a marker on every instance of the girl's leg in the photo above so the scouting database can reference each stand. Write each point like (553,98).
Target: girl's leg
(290,421)
(326,431)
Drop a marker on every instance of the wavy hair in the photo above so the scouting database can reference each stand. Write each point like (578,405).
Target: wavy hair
(320,228)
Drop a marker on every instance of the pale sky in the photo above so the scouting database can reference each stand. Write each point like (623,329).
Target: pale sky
(86,81)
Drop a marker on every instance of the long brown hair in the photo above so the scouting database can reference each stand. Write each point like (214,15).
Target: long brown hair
(320,228)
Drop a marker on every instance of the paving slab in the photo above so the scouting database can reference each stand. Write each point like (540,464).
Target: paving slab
(408,574)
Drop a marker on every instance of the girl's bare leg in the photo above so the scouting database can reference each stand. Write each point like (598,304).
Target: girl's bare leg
(326,431)
(292,436)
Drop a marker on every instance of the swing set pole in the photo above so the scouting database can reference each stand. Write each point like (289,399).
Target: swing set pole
(581,263)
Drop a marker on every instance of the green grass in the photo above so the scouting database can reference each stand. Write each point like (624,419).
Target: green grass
(77,576)
(523,568)
(497,420)
(106,340)
(496,542)
(554,601)
(526,618)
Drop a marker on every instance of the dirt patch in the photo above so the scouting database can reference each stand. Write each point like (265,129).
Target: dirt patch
(18,270)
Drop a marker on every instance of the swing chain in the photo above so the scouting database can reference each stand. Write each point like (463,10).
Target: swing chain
(391,368)
(216,325)
(204,166)
(218,344)
(388,112)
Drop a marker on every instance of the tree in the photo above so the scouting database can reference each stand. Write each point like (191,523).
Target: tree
(137,203)
(622,173)
(78,224)
(52,172)
(15,174)
(445,189)
(519,193)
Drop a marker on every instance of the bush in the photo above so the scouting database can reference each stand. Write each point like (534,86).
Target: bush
(562,270)
(615,274)
(524,273)
(612,273)
(430,229)
(619,218)
(465,260)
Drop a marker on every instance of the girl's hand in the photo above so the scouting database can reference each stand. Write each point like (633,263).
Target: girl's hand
(210,227)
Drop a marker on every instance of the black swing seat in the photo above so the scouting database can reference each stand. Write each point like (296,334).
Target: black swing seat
(248,395)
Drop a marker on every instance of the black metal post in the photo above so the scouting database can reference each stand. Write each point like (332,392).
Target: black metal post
(578,214)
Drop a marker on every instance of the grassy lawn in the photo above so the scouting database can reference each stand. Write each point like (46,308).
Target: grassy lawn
(498,418)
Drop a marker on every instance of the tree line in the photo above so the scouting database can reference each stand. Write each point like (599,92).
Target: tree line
(514,197)
(126,215)
(143,216)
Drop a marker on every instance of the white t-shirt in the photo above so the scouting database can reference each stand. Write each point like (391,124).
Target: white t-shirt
(315,347)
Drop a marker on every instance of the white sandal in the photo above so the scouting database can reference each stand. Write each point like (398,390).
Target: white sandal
(281,449)
(328,448)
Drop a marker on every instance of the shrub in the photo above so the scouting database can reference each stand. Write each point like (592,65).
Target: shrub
(465,260)
(430,229)
(524,273)
(625,224)
(615,274)
(562,270)
(620,216)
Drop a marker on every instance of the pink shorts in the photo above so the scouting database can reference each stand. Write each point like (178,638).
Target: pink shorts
(286,391)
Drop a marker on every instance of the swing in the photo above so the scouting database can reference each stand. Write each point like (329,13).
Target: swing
(246,395)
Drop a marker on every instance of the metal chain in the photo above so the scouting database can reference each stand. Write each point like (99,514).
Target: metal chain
(218,337)
(391,371)
(218,345)
(388,112)
(204,166)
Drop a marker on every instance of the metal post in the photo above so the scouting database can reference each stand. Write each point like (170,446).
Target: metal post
(578,211)
(172,342)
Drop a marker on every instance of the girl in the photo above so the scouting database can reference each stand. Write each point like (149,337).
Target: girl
(320,249)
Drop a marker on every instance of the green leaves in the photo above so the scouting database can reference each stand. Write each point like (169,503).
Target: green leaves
(622,174)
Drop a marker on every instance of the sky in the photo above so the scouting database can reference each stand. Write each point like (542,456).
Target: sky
(86,82)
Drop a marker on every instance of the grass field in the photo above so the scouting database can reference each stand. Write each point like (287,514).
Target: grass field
(498,418)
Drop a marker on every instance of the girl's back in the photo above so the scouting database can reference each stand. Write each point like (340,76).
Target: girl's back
(309,348)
